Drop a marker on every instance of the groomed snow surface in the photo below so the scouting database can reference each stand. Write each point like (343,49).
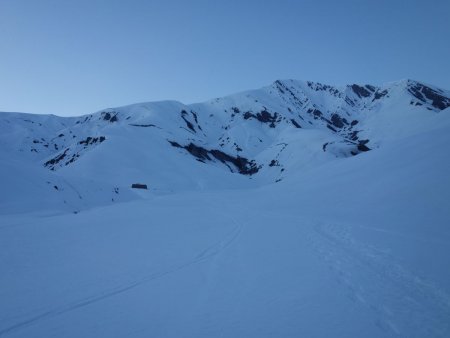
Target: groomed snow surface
(350,247)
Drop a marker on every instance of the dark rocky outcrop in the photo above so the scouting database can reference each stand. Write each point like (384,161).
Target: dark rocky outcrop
(360,91)
(295,123)
(263,116)
(331,128)
(283,88)
(243,165)
(188,123)
(315,112)
(274,163)
(52,162)
(110,116)
(142,125)
(92,140)
(424,93)
(379,94)
(362,145)
(337,121)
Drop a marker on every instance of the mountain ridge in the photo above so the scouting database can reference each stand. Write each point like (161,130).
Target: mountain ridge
(264,134)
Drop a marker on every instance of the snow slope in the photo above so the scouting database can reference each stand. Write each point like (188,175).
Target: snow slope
(319,244)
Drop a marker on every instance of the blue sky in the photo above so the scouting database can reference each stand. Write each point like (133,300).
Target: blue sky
(76,57)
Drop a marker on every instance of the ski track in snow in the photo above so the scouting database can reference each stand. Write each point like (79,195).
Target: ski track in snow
(202,256)
(403,304)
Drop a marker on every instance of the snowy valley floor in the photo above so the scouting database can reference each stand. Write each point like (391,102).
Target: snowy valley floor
(357,248)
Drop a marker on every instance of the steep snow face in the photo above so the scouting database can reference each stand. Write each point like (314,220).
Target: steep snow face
(243,140)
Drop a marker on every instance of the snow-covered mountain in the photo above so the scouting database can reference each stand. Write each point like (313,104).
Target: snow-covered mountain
(296,210)
(247,139)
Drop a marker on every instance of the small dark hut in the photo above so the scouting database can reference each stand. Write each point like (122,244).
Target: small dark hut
(139,186)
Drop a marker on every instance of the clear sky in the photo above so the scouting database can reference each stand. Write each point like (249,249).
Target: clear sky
(79,56)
